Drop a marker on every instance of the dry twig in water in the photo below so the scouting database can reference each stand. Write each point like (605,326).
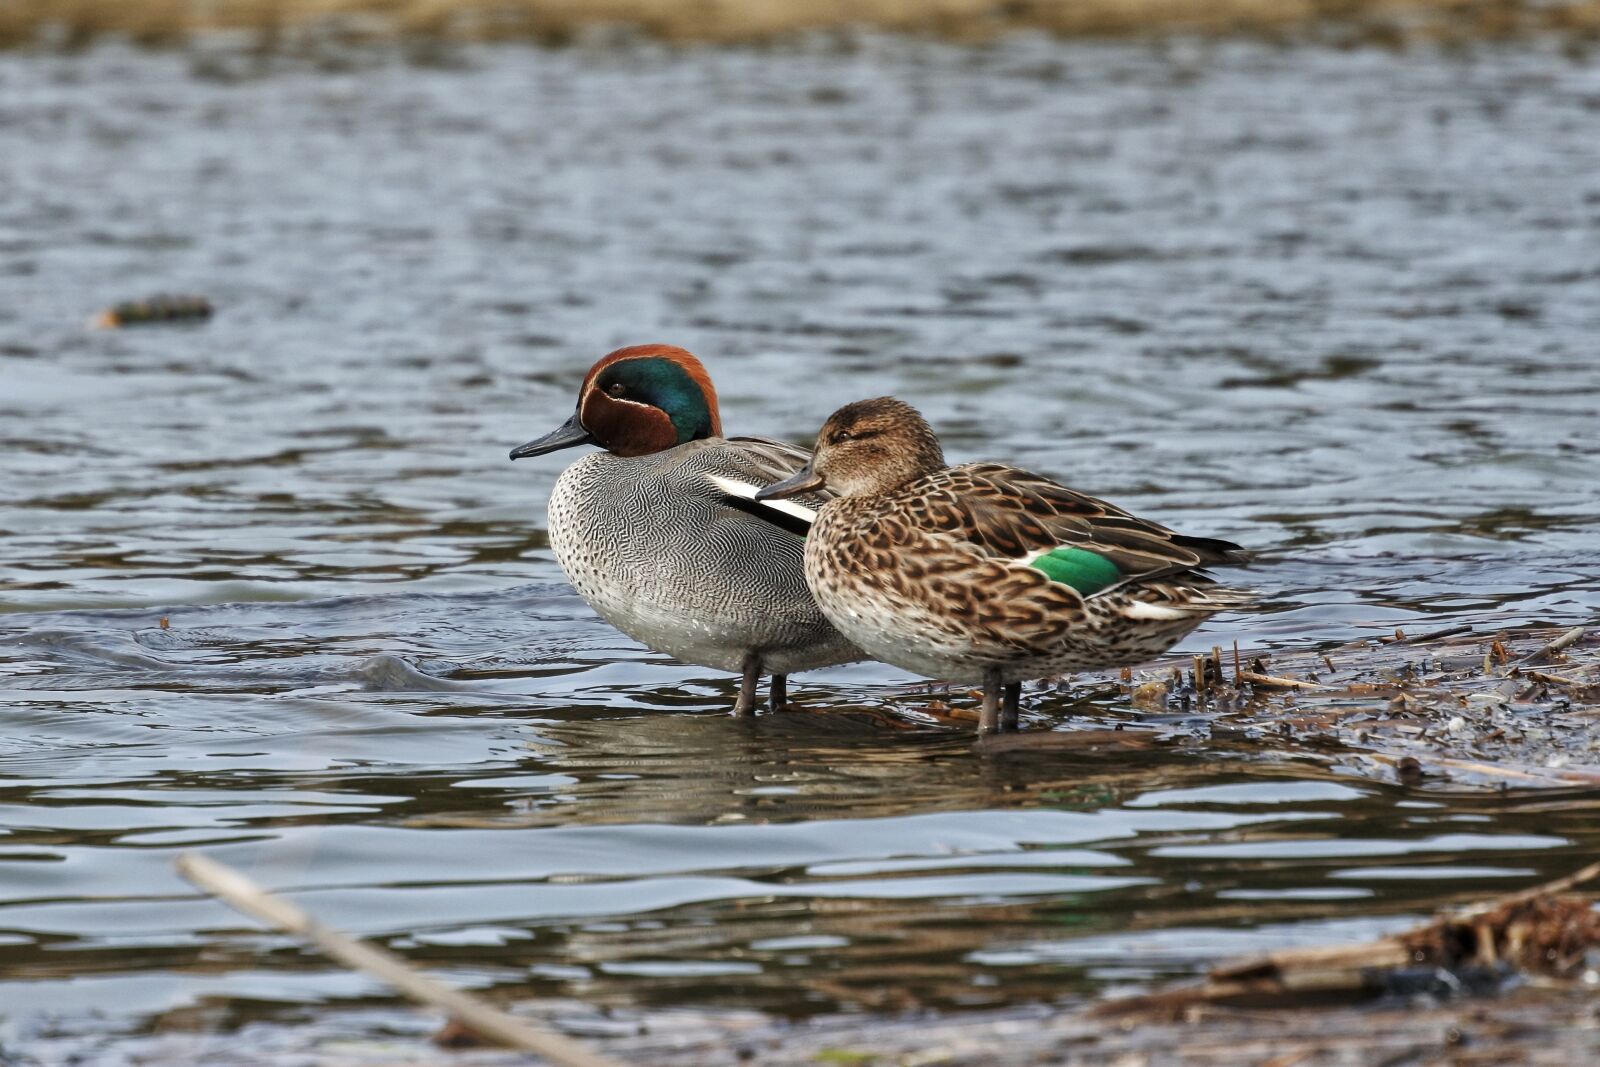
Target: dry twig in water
(1270,681)
(1566,640)
(481,1018)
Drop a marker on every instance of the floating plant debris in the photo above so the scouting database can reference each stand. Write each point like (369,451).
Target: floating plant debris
(153,310)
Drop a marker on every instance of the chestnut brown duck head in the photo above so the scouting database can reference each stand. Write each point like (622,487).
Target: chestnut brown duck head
(637,401)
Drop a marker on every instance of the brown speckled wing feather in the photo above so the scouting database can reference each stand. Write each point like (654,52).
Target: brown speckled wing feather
(1008,512)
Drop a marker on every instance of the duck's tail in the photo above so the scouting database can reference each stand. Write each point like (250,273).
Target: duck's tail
(1193,598)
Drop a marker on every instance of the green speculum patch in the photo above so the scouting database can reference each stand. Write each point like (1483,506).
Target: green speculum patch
(1087,572)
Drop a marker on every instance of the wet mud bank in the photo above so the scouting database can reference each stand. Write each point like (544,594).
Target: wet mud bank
(422,27)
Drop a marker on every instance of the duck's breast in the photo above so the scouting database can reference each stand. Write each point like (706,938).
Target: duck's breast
(662,555)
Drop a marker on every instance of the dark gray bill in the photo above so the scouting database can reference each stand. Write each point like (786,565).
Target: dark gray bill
(566,435)
(799,482)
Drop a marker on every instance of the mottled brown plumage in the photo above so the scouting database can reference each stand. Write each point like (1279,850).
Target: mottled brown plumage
(985,572)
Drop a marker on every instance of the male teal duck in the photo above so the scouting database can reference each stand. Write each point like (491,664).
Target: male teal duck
(661,553)
(985,573)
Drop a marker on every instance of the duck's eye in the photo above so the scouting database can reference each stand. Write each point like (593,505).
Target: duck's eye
(616,390)
(840,436)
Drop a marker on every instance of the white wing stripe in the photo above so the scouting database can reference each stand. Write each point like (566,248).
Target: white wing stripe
(746,491)
(1155,612)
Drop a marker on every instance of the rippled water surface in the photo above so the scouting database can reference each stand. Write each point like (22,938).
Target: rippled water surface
(270,588)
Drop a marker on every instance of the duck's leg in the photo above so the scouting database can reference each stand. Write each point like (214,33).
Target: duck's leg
(746,704)
(1013,704)
(779,692)
(989,718)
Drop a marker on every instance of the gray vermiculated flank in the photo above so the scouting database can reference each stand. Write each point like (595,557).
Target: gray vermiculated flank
(654,548)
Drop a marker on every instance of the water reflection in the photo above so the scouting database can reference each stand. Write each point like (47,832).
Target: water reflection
(557,832)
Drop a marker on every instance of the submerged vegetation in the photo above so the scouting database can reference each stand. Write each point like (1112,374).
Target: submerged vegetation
(279,22)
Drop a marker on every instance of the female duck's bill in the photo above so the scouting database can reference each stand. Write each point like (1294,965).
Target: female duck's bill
(804,480)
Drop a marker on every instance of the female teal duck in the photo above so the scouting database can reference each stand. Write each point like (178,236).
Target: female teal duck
(661,553)
(985,572)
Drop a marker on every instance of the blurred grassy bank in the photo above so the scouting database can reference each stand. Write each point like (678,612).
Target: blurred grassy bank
(76,22)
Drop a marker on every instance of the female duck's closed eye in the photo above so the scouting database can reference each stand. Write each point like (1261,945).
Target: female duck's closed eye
(658,550)
(984,572)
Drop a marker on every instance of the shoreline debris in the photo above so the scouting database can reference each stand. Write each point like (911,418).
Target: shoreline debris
(1519,707)
(1560,644)
(1545,931)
